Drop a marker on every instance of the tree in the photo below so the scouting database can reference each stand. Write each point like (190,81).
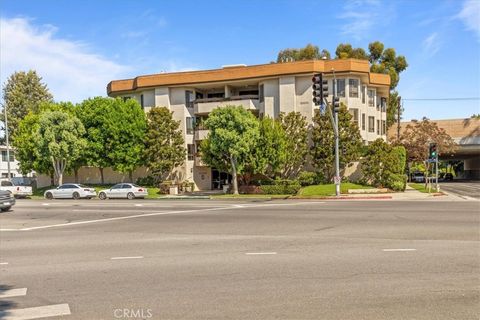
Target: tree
(233,135)
(309,52)
(384,165)
(322,150)
(94,114)
(22,93)
(296,130)
(125,128)
(417,137)
(164,143)
(270,153)
(59,138)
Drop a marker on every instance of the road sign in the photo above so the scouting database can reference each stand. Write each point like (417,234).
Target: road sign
(336,179)
(322,108)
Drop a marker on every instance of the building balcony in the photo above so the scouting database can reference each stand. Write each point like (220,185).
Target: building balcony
(199,162)
(201,134)
(205,106)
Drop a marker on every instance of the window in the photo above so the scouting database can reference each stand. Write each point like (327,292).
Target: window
(384,127)
(340,87)
(261,93)
(364,89)
(190,151)
(5,175)
(190,123)
(141,101)
(126,186)
(248,93)
(371,98)
(118,186)
(216,95)
(363,121)
(353,88)
(6,183)
(354,113)
(4,156)
(378,126)
(189,98)
(383,104)
(126,98)
(371,124)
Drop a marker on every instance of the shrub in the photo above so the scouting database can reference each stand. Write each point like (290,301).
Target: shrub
(396,182)
(291,188)
(306,178)
(148,181)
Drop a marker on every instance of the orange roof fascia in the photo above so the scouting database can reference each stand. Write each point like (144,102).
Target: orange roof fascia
(247,72)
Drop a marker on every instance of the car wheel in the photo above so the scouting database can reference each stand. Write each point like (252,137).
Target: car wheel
(6,209)
(102,196)
(76,195)
(49,195)
(130,196)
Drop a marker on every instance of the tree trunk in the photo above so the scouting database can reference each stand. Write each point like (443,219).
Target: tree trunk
(76,175)
(60,178)
(130,176)
(102,181)
(52,179)
(233,161)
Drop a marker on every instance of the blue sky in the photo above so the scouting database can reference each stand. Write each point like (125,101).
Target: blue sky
(79,46)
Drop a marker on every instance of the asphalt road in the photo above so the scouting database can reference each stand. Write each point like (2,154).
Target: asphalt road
(462,188)
(241,260)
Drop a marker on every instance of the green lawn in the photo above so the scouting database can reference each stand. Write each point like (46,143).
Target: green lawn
(329,189)
(419,187)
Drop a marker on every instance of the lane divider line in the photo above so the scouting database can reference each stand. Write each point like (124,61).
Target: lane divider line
(3,263)
(259,253)
(53,310)
(398,250)
(18,292)
(123,258)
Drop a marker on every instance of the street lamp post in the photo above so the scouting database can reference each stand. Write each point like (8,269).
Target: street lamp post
(335,128)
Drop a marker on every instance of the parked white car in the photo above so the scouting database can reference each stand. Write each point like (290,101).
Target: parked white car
(123,190)
(70,191)
(17,190)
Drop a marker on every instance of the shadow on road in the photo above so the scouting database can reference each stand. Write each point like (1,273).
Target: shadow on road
(5,304)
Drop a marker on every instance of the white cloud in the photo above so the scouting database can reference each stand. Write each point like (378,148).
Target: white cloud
(70,69)
(361,16)
(431,44)
(470,15)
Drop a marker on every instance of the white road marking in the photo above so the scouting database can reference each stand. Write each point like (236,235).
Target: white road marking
(3,263)
(138,205)
(45,204)
(53,310)
(259,253)
(393,250)
(18,292)
(159,214)
(121,258)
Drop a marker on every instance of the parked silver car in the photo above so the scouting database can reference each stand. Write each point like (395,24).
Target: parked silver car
(123,190)
(70,191)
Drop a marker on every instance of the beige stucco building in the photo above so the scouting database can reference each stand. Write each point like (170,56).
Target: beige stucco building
(266,90)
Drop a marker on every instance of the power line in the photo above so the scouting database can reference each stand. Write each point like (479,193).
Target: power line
(441,99)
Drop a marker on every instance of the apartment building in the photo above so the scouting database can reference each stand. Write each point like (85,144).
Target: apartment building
(266,90)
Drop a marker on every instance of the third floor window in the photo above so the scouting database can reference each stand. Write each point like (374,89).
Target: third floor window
(353,85)
(371,98)
(341,87)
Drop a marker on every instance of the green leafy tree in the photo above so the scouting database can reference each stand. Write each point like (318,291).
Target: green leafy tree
(309,52)
(23,92)
(322,150)
(94,114)
(384,165)
(296,130)
(270,153)
(164,143)
(234,133)
(59,138)
(125,127)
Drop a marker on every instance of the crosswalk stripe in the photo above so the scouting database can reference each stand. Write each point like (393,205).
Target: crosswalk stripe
(13,293)
(53,310)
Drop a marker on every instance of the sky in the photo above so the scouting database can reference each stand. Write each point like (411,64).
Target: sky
(77,47)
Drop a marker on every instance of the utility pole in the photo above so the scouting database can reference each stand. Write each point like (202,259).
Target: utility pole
(7,142)
(336,105)
(398,118)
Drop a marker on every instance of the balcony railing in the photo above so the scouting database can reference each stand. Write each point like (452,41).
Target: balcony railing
(201,134)
(204,106)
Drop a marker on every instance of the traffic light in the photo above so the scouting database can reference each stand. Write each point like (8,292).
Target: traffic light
(432,151)
(336,104)
(317,89)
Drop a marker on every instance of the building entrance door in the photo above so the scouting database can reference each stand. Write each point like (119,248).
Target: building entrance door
(219,179)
